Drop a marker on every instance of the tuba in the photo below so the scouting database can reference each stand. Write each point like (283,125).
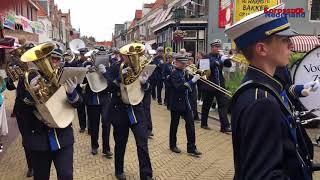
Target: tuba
(15,68)
(49,96)
(133,55)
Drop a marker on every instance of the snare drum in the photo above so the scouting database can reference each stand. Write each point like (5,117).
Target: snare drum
(308,69)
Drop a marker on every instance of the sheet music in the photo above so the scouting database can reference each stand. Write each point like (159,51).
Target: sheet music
(149,69)
(204,64)
(71,72)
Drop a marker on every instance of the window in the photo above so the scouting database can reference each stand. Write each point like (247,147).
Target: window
(201,34)
(315,10)
(201,46)
(191,34)
(200,7)
(190,9)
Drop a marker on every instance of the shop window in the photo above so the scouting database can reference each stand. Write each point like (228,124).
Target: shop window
(191,34)
(201,34)
(201,46)
(315,10)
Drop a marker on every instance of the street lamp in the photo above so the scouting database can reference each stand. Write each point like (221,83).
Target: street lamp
(178,13)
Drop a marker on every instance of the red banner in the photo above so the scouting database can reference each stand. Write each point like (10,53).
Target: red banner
(225,13)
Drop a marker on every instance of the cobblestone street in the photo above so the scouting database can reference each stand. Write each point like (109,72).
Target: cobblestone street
(216,163)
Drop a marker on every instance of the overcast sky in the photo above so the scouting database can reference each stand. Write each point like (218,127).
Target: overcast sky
(97,17)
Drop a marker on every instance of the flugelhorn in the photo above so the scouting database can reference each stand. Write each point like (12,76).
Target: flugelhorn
(192,69)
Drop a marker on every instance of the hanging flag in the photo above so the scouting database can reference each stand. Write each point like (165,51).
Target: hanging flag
(225,13)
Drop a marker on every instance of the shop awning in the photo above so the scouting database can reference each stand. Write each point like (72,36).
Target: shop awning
(304,43)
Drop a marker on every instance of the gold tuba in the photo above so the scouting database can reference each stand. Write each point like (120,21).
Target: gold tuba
(49,96)
(133,55)
(15,68)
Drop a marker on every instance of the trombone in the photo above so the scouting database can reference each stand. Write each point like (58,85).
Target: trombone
(192,69)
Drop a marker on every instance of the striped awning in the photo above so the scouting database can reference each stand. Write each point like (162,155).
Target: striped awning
(304,43)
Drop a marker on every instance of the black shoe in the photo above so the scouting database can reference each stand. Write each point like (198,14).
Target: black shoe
(226,130)
(94,151)
(30,173)
(175,150)
(108,154)
(121,176)
(82,130)
(195,152)
(160,103)
(206,127)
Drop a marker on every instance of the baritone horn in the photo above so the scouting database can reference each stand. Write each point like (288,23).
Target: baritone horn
(133,55)
(48,95)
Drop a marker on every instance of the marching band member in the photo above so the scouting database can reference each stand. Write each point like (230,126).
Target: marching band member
(81,108)
(266,141)
(97,109)
(20,121)
(146,102)
(180,106)
(127,117)
(167,69)
(193,96)
(115,57)
(46,144)
(216,76)
(158,84)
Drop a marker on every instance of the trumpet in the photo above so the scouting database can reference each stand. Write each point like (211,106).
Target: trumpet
(192,69)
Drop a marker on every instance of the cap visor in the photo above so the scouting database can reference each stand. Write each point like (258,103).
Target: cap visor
(288,32)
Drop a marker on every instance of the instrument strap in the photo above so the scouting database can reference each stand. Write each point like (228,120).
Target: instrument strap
(251,85)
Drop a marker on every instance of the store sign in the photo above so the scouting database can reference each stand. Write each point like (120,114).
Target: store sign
(245,7)
(38,27)
(25,23)
(9,21)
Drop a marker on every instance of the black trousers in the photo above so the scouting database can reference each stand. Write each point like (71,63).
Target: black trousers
(81,109)
(159,89)
(121,125)
(167,94)
(27,153)
(146,102)
(95,114)
(62,159)
(222,108)
(194,106)
(190,130)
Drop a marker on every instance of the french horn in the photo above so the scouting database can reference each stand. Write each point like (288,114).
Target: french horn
(133,55)
(49,96)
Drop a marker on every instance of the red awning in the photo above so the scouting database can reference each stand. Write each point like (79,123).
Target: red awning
(304,43)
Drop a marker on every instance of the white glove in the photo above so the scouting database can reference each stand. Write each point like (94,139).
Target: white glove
(312,86)
(70,85)
(195,78)
(144,77)
(102,68)
(125,70)
(88,66)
